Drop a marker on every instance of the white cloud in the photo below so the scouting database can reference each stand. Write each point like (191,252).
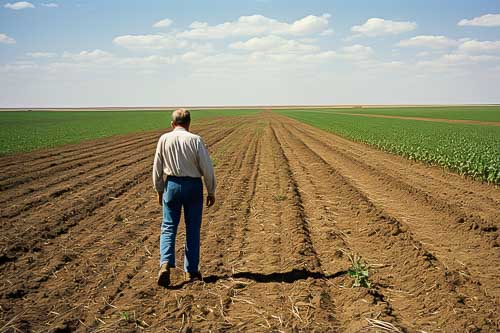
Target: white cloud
(19,5)
(308,25)
(475,46)
(41,54)
(88,56)
(433,42)
(273,44)
(50,5)
(356,52)
(319,57)
(152,42)
(455,58)
(374,27)
(457,62)
(4,39)
(101,61)
(150,61)
(163,23)
(488,20)
(256,25)
(18,66)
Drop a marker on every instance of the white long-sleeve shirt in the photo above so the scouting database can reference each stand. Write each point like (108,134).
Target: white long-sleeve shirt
(183,154)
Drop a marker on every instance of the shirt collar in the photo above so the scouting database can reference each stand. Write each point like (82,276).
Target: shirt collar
(179,128)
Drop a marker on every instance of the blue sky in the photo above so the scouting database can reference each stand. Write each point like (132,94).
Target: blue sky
(158,53)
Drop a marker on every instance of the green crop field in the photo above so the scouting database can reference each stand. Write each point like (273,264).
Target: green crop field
(472,150)
(478,113)
(27,131)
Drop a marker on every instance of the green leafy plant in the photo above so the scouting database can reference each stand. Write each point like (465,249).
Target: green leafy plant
(358,271)
(279,197)
(125,315)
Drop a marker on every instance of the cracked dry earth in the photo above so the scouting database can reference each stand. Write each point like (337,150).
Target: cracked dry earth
(80,236)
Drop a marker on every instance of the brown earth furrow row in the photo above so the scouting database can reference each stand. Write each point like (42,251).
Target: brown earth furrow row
(99,180)
(225,218)
(116,288)
(286,293)
(81,161)
(33,185)
(37,158)
(385,178)
(93,260)
(384,240)
(437,183)
(292,202)
(45,261)
(31,239)
(331,244)
(12,161)
(110,313)
(239,233)
(180,304)
(93,171)
(82,201)
(455,244)
(61,225)
(18,177)
(240,239)
(90,178)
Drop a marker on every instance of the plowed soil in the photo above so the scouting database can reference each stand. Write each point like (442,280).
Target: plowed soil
(79,247)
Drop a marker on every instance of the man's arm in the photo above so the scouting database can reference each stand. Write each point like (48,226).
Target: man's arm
(207,170)
(158,181)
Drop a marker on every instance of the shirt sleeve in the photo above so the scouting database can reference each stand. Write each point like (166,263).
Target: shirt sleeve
(158,181)
(206,168)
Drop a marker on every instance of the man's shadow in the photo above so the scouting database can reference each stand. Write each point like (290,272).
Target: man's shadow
(286,277)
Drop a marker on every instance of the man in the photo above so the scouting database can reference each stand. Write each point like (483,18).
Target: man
(184,159)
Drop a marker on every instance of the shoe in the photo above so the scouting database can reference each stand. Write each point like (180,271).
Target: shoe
(193,276)
(164,275)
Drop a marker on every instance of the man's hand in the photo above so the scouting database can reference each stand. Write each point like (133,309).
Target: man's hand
(210,200)
(160,198)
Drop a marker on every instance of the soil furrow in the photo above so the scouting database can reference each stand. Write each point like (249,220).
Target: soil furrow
(175,308)
(56,223)
(447,188)
(463,243)
(76,271)
(75,164)
(288,289)
(86,251)
(385,241)
(90,178)
(53,226)
(100,179)
(56,165)
(293,203)
(332,246)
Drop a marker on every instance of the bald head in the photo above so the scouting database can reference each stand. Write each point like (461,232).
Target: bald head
(181,117)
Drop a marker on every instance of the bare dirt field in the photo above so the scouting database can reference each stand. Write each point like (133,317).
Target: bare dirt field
(80,237)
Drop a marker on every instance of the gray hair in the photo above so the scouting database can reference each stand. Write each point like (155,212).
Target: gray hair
(181,117)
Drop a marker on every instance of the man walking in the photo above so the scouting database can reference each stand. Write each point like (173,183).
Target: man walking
(184,159)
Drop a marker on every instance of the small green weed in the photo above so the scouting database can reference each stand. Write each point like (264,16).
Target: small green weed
(125,315)
(358,271)
(279,197)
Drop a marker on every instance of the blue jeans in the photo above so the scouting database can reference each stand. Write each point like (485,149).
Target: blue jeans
(188,193)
